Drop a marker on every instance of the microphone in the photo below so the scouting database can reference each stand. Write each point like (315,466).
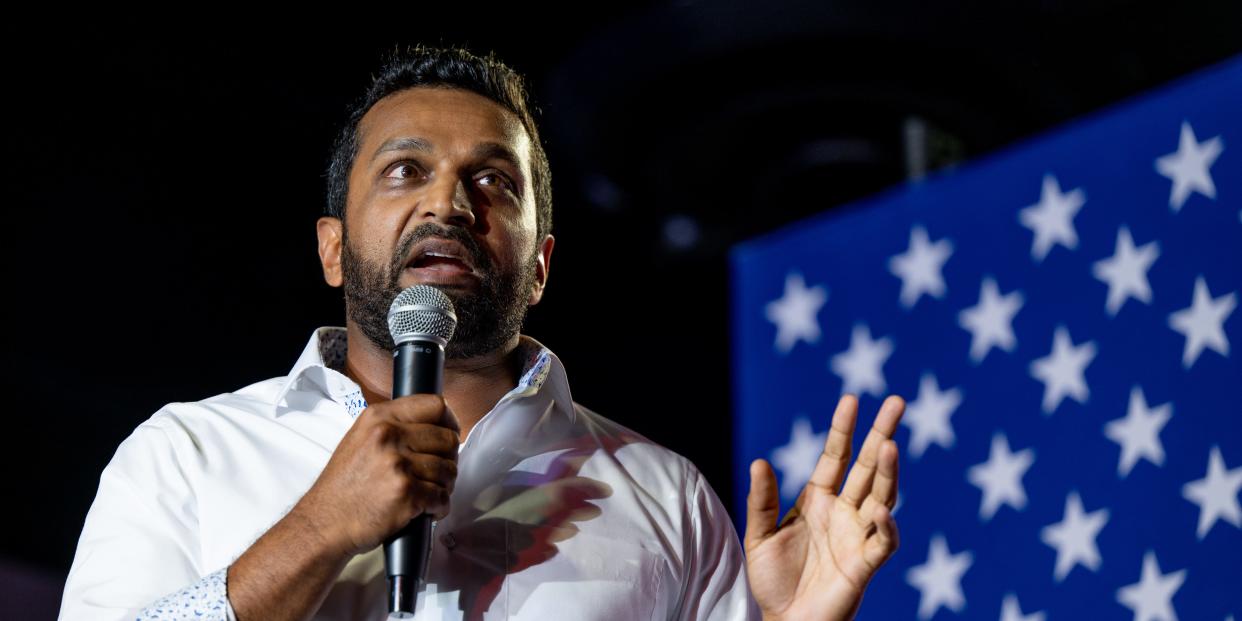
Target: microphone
(422,321)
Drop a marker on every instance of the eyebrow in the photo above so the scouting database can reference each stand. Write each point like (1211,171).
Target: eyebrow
(482,151)
(402,144)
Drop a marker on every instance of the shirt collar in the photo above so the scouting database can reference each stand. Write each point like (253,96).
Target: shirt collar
(321,368)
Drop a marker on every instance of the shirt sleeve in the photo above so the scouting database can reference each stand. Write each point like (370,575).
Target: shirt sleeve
(715,587)
(138,556)
(202,601)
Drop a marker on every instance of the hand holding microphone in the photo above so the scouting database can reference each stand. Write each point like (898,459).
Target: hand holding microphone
(393,471)
(398,460)
(422,321)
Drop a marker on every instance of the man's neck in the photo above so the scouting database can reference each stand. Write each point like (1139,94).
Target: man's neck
(472,386)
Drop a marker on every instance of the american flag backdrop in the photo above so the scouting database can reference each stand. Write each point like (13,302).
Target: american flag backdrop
(1061,318)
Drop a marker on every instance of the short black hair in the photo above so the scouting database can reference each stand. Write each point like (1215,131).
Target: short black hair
(443,67)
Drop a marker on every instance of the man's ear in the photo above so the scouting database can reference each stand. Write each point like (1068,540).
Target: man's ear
(329,230)
(544,263)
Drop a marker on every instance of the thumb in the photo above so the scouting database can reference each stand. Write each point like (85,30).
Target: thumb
(763,504)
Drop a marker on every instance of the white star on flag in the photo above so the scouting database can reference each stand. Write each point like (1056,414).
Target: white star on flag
(1151,598)
(1216,494)
(1203,323)
(1051,219)
(1012,611)
(1062,370)
(990,322)
(939,580)
(1074,537)
(1188,166)
(919,267)
(1126,271)
(797,459)
(928,416)
(1139,432)
(1000,477)
(860,365)
(794,313)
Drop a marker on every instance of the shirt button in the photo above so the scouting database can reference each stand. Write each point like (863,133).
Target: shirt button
(448,540)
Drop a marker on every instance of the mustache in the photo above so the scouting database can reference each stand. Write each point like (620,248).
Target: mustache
(428,229)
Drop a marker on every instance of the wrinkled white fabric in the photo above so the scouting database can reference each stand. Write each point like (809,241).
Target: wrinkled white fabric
(557,512)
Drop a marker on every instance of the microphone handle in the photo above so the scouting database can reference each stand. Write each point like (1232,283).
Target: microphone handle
(418,368)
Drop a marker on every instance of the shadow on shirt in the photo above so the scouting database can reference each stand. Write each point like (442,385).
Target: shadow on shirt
(515,523)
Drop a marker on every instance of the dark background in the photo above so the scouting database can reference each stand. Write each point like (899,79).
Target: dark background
(161,236)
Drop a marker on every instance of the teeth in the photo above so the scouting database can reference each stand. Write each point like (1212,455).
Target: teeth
(427,255)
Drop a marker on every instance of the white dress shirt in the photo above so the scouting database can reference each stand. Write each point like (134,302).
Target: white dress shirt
(557,512)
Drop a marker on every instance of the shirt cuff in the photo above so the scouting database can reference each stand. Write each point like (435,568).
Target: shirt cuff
(205,600)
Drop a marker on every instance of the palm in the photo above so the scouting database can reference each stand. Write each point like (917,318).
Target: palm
(816,563)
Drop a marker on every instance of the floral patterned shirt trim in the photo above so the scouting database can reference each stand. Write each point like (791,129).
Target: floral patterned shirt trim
(205,600)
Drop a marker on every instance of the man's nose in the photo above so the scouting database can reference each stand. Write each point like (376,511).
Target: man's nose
(449,202)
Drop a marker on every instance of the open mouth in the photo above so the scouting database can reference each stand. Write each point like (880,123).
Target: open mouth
(440,263)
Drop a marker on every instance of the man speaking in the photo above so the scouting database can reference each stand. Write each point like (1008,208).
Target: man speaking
(273,502)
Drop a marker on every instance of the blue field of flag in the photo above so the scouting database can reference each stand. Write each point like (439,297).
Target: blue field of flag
(1061,318)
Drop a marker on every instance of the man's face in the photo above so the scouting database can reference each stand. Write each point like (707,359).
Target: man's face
(434,165)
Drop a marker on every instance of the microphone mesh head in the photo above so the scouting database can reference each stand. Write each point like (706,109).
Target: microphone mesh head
(422,311)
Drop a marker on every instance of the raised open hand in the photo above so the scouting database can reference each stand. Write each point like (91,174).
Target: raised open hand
(818,561)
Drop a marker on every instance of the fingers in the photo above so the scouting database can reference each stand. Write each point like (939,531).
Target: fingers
(430,439)
(433,469)
(884,488)
(833,460)
(836,455)
(763,503)
(859,481)
(429,498)
(881,545)
(421,408)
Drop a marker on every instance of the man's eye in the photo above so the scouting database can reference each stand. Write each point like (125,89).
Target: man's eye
(409,170)
(496,177)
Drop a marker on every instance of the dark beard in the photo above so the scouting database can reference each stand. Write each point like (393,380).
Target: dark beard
(486,320)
